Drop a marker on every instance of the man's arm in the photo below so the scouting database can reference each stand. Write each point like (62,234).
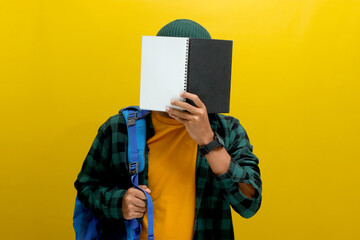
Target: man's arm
(246,199)
(99,193)
(219,161)
(103,201)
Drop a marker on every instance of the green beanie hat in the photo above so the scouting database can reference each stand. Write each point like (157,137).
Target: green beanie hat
(184,28)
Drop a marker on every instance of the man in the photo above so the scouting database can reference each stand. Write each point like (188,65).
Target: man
(191,191)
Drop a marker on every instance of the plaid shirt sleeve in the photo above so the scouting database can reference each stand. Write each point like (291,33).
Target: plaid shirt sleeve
(243,169)
(94,187)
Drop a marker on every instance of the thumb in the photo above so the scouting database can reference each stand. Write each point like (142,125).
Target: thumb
(145,188)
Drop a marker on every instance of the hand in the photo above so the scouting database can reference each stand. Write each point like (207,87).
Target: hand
(196,120)
(134,202)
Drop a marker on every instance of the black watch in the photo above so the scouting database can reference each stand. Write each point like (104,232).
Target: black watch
(217,142)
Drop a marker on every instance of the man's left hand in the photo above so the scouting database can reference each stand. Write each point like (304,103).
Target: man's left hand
(196,120)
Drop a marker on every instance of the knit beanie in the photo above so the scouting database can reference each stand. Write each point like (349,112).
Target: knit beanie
(184,28)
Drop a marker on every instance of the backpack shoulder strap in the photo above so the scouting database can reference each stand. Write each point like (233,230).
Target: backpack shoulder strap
(136,127)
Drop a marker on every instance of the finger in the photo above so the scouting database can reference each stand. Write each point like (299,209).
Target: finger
(185,105)
(138,202)
(194,98)
(137,215)
(145,188)
(133,214)
(180,114)
(178,119)
(138,209)
(139,194)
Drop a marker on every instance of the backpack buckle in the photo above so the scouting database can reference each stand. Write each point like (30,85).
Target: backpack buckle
(132,117)
(134,168)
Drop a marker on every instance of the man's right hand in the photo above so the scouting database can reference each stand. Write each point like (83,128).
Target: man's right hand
(134,202)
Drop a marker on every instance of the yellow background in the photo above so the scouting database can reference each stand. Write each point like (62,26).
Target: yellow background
(67,65)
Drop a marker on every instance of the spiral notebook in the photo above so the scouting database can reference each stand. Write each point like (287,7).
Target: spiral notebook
(170,65)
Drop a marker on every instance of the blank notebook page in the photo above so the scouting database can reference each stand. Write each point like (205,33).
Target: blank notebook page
(163,62)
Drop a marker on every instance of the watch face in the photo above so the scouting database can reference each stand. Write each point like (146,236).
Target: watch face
(217,136)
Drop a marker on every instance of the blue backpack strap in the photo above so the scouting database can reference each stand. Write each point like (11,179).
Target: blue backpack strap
(136,126)
(136,148)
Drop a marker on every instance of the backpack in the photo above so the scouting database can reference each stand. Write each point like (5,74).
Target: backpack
(86,225)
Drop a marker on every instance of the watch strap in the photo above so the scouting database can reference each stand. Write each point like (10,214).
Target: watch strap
(211,146)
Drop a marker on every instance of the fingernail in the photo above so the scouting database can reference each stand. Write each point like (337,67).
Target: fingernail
(167,109)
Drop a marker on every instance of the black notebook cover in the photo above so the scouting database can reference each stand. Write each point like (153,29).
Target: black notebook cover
(209,72)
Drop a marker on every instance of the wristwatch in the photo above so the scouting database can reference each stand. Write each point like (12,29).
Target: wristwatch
(217,142)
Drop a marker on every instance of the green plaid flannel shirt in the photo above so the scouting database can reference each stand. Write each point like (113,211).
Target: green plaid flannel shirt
(105,167)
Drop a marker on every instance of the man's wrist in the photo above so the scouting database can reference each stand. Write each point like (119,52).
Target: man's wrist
(207,140)
(215,143)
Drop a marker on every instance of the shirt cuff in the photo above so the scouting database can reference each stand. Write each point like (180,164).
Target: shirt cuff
(115,208)
(235,173)
(230,180)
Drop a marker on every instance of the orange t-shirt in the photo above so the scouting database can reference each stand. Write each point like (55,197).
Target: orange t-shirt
(172,163)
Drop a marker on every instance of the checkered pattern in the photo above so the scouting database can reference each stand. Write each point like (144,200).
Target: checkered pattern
(105,167)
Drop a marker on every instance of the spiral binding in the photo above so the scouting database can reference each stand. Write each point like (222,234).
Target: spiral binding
(186,65)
